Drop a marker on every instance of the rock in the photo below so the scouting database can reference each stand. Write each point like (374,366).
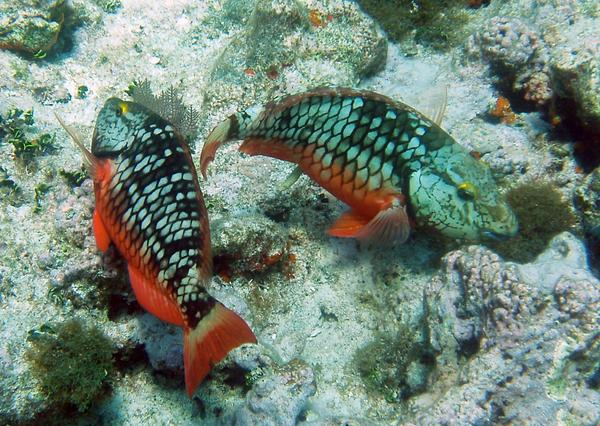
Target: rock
(507,351)
(517,55)
(278,398)
(587,201)
(29,25)
(247,244)
(289,43)
(476,294)
(575,72)
(565,257)
(542,63)
(163,344)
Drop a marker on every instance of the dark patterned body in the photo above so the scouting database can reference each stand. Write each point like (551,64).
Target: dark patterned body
(152,208)
(149,205)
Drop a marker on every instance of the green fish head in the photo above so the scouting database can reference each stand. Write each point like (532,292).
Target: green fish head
(456,195)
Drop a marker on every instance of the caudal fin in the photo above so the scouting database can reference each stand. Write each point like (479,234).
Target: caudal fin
(216,138)
(219,332)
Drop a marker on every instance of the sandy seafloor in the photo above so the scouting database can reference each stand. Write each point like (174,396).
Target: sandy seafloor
(313,301)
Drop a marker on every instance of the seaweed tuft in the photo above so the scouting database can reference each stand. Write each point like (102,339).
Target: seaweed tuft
(542,214)
(168,104)
(13,130)
(71,362)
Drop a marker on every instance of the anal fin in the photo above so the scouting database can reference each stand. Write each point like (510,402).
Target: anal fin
(100,232)
(154,299)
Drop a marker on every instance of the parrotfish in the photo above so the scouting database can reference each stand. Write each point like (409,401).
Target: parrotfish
(149,205)
(394,167)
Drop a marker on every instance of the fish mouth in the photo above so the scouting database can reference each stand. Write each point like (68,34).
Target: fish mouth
(496,236)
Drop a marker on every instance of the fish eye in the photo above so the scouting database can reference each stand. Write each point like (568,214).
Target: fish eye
(466,191)
(121,109)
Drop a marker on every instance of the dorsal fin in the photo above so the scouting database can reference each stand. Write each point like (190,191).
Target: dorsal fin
(90,159)
(437,99)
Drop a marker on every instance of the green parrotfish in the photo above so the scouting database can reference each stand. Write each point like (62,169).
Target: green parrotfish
(394,167)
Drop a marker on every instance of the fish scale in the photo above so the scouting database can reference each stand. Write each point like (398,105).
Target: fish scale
(138,211)
(369,126)
(393,166)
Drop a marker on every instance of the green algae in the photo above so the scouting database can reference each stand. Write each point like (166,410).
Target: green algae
(74,178)
(9,190)
(14,130)
(436,23)
(109,6)
(31,26)
(82,92)
(542,214)
(71,362)
(40,190)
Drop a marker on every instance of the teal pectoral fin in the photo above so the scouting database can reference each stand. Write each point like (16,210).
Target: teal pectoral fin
(291,179)
(215,139)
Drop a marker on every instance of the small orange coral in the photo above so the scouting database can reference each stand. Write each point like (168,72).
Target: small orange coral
(314,16)
(503,111)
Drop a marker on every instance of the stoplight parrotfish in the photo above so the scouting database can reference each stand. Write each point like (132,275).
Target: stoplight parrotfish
(392,165)
(149,205)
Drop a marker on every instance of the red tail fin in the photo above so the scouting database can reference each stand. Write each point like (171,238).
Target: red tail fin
(219,332)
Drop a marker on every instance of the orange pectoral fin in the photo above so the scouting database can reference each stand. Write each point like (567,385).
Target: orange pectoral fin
(389,227)
(348,225)
(100,232)
(215,335)
(273,147)
(154,299)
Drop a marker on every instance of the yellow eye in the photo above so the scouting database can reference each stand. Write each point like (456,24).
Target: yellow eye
(122,108)
(467,191)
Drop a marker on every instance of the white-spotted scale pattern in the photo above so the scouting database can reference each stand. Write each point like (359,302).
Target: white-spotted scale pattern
(152,205)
